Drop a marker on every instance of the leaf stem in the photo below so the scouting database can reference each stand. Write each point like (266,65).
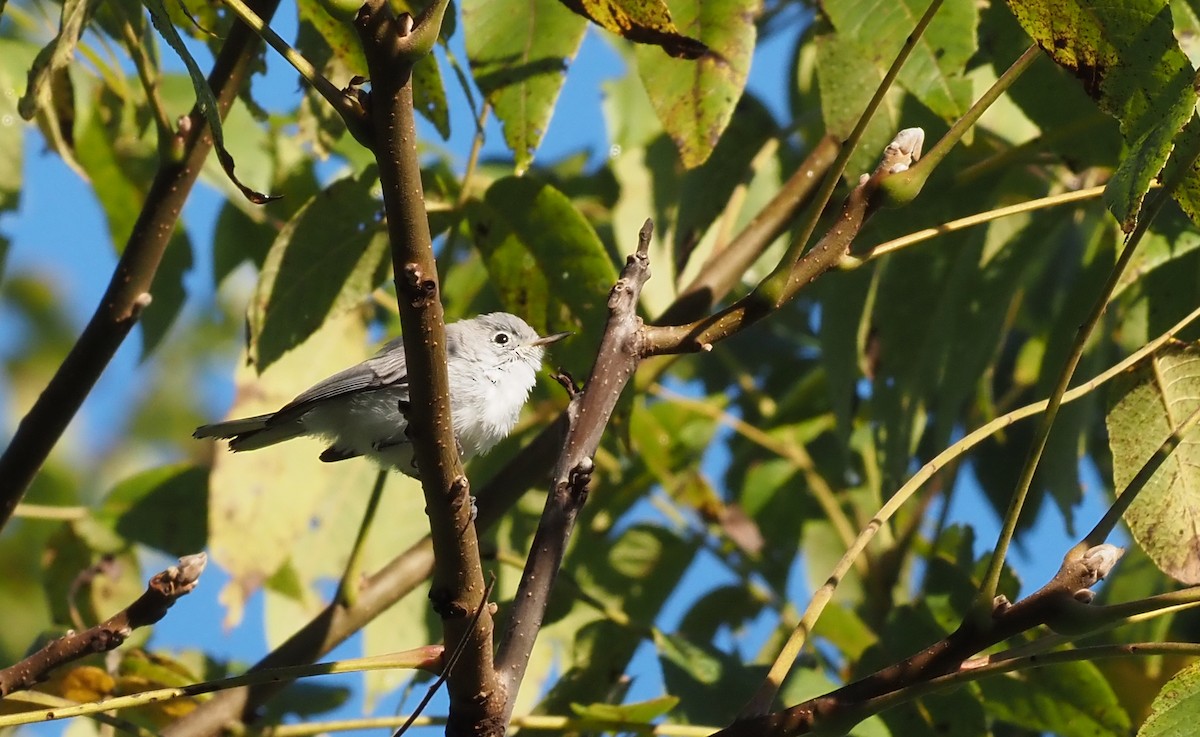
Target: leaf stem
(424,658)
(1109,521)
(348,587)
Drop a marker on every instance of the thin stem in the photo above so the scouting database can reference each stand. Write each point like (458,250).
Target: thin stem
(823,595)
(349,585)
(991,579)
(49,512)
(284,49)
(147,73)
(980,218)
(1107,523)
(557,724)
(38,698)
(422,658)
(464,194)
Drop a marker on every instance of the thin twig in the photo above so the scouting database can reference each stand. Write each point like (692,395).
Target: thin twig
(533,722)
(897,244)
(160,594)
(346,105)
(423,658)
(148,75)
(449,664)
(348,587)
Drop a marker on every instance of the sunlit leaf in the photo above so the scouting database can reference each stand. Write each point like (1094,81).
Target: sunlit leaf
(519,56)
(1149,404)
(1128,60)
(1072,700)
(933,71)
(324,262)
(695,100)
(640,21)
(1176,709)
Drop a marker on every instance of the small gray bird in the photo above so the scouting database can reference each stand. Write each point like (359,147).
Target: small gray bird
(492,362)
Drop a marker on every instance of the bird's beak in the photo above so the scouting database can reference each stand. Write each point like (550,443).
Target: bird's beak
(550,339)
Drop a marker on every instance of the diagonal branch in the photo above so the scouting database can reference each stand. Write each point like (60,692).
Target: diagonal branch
(587,417)
(128,291)
(859,205)
(160,594)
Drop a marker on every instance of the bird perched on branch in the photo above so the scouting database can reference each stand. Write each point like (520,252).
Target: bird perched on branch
(492,362)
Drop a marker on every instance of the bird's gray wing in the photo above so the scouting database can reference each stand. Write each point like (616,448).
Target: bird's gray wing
(386,369)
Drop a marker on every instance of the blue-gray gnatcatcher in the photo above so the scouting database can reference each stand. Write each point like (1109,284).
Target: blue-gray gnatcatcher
(492,362)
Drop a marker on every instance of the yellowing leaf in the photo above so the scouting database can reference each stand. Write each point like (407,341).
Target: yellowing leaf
(1152,401)
(640,21)
(695,99)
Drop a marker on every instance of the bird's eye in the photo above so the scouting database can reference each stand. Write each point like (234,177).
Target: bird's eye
(501,338)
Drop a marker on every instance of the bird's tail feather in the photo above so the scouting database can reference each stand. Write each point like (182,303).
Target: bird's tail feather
(250,433)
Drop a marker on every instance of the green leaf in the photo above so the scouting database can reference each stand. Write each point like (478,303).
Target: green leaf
(933,71)
(695,100)
(165,508)
(325,261)
(50,94)
(519,54)
(640,21)
(15,57)
(1150,403)
(205,101)
(546,260)
(1072,700)
(710,684)
(1128,60)
(641,712)
(429,94)
(847,78)
(1176,709)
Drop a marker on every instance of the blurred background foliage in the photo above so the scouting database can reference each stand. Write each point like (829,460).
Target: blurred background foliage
(729,482)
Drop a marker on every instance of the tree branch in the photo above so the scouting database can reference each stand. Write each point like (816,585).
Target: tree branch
(161,593)
(724,270)
(587,416)
(391,46)
(858,206)
(838,711)
(128,291)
